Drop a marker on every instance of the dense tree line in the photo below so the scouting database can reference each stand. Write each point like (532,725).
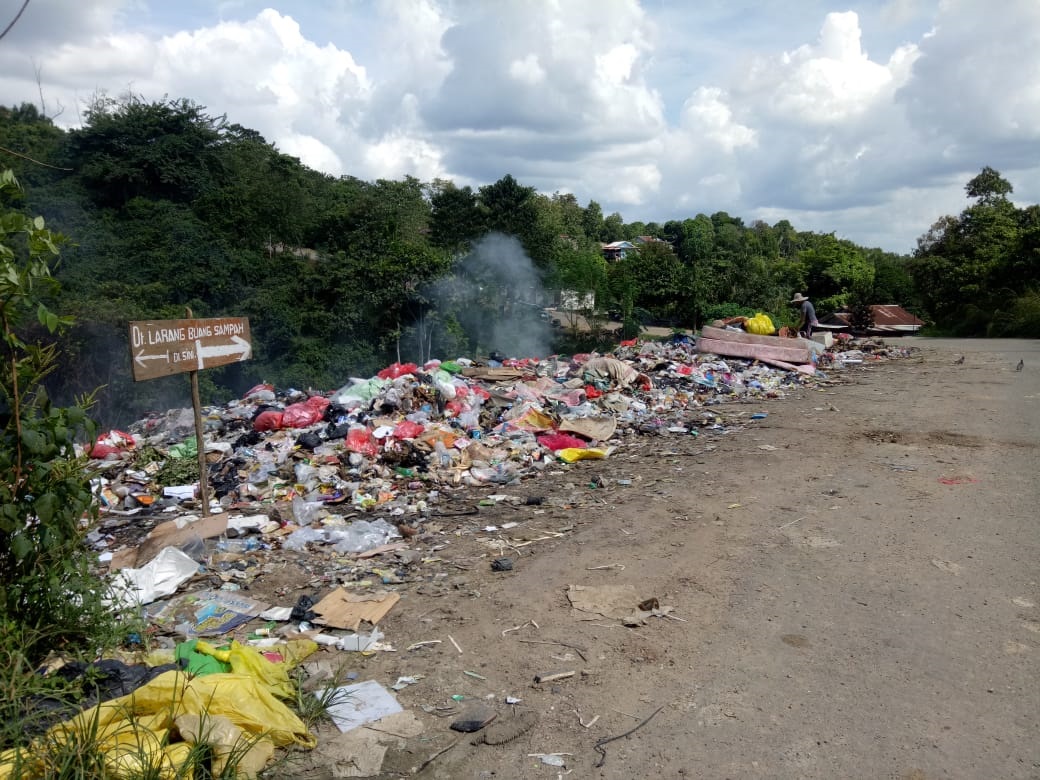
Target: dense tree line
(166,206)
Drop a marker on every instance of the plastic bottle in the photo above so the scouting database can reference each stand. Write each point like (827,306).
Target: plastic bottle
(443,456)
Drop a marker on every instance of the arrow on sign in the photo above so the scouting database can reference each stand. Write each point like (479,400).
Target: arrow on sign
(239,346)
(140,358)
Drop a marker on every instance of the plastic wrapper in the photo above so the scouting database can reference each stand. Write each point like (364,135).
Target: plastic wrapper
(362,535)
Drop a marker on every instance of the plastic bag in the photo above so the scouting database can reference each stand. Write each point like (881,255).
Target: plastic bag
(362,535)
(561,441)
(189,448)
(397,369)
(113,444)
(299,416)
(268,421)
(406,429)
(248,660)
(571,454)
(760,325)
(301,537)
(238,697)
(359,439)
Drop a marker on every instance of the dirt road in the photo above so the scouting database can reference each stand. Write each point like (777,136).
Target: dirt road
(853,583)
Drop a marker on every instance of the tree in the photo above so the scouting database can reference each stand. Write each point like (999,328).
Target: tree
(455,216)
(45,581)
(989,187)
(592,221)
(504,205)
(131,148)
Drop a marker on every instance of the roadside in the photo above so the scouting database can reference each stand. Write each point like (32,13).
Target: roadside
(852,584)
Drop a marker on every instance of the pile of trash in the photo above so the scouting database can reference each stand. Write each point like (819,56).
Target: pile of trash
(395,439)
(341,482)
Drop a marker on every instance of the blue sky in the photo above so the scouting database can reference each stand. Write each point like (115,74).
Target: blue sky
(864,119)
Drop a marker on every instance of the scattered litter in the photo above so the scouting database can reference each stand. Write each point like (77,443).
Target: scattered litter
(553,676)
(341,609)
(502,564)
(456,644)
(404,682)
(159,577)
(505,730)
(618,602)
(427,643)
(959,479)
(946,566)
(551,759)
(474,718)
(360,703)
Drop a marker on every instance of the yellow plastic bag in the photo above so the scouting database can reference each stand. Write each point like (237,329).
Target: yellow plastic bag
(248,660)
(760,325)
(241,698)
(572,454)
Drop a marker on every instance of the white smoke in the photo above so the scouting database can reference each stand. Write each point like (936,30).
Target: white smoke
(496,296)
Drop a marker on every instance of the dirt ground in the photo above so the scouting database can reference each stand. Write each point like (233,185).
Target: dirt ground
(853,584)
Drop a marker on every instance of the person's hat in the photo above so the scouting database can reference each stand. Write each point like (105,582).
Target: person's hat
(798,298)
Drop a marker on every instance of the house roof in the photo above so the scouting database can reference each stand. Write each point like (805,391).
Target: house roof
(619,245)
(887,317)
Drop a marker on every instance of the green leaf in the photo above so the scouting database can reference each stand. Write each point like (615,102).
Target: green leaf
(45,507)
(34,441)
(21,546)
(38,223)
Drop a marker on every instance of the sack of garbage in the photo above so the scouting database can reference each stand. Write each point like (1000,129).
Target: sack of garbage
(760,325)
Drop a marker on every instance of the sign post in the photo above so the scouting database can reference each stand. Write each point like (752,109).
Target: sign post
(166,347)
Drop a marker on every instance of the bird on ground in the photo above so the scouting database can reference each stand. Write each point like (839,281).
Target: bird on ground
(959,360)
(1021,365)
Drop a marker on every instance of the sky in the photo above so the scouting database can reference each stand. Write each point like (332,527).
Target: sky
(864,118)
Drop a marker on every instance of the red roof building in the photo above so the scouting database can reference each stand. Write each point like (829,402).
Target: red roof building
(889,320)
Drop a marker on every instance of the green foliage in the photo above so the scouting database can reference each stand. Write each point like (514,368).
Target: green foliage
(173,207)
(45,580)
(974,270)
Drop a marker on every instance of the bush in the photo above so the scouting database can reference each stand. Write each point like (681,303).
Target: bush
(46,586)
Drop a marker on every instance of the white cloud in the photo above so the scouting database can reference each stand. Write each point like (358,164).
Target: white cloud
(830,82)
(802,119)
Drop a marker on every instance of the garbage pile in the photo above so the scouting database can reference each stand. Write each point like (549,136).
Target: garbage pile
(394,440)
(340,483)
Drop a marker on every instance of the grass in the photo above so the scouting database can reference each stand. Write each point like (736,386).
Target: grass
(43,736)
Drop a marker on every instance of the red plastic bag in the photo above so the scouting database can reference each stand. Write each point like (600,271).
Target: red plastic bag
(360,439)
(112,443)
(561,441)
(267,421)
(592,392)
(454,409)
(397,370)
(299,416)
(629,343)
(260,388)
(406,429)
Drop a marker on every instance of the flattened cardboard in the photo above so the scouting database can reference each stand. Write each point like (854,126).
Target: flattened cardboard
(341,609)
(173,534)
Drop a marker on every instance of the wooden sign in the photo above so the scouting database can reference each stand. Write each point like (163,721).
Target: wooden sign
(164,347)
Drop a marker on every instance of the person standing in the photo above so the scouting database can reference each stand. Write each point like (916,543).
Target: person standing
(808,321)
